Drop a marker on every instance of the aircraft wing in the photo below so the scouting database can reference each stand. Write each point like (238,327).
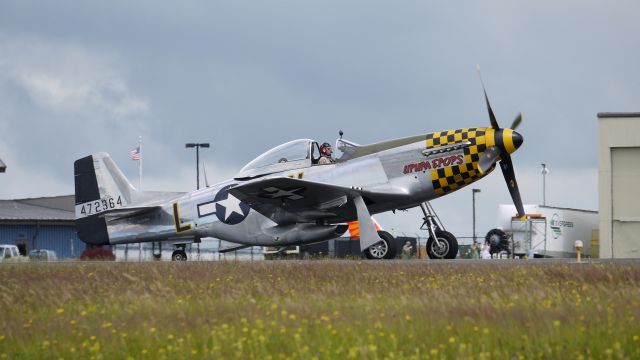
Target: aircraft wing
(287,200)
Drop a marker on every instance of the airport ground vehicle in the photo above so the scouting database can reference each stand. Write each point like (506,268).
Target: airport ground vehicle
(42,255)
(547,231)
(10,253)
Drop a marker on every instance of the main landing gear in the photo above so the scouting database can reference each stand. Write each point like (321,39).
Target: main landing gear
(383,249)
(441,244)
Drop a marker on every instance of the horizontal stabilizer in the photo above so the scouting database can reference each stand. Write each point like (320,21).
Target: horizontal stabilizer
(129,212)
(84,210)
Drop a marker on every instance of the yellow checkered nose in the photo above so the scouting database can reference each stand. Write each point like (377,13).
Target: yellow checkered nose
(511,140)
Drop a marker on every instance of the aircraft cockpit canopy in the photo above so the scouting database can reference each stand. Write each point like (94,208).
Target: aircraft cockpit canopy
(289,156)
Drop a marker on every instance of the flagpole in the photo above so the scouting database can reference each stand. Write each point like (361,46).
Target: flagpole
(140,164)
(140,187)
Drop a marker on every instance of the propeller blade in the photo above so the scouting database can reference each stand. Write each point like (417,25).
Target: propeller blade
(488,158)
(516,122)
(510,177)
(492,116)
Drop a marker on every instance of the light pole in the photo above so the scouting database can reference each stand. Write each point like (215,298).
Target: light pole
(197,146)
(544,172)
(473,195)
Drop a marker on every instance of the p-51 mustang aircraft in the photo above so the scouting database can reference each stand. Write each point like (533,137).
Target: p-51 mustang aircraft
(287,196)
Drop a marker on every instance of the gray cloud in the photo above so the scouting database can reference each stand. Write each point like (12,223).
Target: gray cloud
(67,79)
(84,77)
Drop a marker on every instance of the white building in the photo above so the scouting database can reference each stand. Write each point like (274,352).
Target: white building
(619,184)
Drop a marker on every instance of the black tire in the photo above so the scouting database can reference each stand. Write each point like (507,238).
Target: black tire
(498,241)
(384,249)
(179,255)
(157,256)
(448,248)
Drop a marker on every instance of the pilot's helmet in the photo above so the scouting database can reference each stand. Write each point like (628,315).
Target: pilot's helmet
(325,149)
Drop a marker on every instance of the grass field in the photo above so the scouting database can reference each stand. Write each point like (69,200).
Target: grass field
(320,309)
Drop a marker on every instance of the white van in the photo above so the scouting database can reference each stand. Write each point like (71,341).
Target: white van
(43,255)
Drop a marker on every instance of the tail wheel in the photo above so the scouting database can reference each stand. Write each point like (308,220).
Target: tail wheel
(445,248)
(383,249)
(179,255)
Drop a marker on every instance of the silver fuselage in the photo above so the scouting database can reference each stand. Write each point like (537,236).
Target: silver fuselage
(417,169)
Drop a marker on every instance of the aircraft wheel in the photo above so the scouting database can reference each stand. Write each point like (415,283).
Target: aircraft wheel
(179,255)
(445,248)
(384,249)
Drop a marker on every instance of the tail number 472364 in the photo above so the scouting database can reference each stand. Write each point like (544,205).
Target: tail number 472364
(97,206)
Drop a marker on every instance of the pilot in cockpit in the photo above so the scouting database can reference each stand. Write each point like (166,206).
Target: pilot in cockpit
(325,154)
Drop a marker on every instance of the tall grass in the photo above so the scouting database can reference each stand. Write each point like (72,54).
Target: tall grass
(320,309)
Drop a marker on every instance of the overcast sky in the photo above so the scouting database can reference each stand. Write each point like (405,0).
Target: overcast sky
(79,77)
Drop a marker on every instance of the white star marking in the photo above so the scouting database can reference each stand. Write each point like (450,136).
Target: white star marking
(232,205)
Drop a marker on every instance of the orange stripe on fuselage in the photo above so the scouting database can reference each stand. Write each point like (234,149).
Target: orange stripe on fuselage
(354,228)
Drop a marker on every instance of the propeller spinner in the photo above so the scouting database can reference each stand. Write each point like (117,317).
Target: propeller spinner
(511,141)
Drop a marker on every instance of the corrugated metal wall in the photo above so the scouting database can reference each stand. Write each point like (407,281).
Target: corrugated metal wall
(60,238)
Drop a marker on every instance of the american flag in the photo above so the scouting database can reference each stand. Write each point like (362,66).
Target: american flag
(135,154)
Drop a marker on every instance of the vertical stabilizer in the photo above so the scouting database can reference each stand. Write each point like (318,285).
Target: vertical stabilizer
(100,186)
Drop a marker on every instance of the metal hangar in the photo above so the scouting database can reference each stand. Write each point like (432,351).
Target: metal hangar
(41,223)
(619,184)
